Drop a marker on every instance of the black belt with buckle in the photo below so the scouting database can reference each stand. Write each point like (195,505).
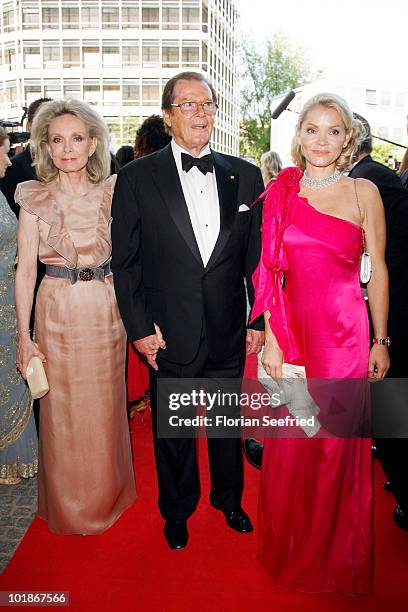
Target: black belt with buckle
(79,274)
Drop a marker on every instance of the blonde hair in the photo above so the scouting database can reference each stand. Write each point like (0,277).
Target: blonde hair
(329,100)
(3,135)
(98,165)
(271,165)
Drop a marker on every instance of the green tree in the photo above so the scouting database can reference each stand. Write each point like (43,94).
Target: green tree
(268,70)
(383,152)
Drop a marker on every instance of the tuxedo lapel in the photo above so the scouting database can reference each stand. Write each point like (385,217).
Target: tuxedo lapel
(227,185)
(167,180)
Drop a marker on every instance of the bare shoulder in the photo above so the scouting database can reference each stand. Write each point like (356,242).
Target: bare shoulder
(367,188)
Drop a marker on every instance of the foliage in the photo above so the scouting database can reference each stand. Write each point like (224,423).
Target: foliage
(268,70)
(384,153)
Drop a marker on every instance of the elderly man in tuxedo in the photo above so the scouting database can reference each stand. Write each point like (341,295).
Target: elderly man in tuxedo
(184,237)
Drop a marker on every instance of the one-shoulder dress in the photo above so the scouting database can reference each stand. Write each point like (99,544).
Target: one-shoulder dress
(315,505)
(85,478)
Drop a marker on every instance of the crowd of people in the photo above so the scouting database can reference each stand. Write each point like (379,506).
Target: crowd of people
(147,274)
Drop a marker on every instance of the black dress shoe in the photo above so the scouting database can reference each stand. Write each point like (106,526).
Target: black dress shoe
(176,534)
(238,520)
(400,517)
(253,452)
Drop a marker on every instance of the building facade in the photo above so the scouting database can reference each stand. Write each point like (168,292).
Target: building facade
(117,55)
(385,109)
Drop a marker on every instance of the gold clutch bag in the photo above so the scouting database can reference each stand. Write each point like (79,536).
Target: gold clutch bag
(37,378)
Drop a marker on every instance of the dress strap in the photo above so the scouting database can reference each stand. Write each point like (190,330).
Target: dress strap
(361,214)
(358,202)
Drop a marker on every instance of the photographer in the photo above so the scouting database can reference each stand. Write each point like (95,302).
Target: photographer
(21,168)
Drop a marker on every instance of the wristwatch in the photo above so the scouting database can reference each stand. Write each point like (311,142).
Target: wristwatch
(383,341)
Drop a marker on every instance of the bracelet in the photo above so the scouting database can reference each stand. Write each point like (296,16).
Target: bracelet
(382,341)
(23,331)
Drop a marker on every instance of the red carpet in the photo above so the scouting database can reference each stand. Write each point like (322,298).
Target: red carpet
(130,568)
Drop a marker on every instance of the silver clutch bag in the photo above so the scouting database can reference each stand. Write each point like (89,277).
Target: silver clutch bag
(37,378)
(365,268)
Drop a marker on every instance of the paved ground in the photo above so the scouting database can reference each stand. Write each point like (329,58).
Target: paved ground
(18,504)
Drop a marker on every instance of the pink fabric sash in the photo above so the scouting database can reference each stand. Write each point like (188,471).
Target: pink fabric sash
(269,275)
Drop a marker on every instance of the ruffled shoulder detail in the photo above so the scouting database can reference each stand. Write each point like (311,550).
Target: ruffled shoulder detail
(38,199)
(103,244)
(269,275)
(34,197)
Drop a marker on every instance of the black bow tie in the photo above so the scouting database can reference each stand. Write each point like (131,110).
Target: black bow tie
(204,164)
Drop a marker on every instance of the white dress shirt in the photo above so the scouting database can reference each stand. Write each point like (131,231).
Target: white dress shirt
(201,195)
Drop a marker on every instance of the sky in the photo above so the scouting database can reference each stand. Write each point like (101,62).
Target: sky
(361,41)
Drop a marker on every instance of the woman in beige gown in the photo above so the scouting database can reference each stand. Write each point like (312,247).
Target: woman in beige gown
(85,478)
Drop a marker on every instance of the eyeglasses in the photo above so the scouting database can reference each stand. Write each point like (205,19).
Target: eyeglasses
(191,108)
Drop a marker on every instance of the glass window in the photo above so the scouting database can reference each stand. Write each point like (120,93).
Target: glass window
(8,19)
(110,17)
(130,126)
(191,18)
(150,17)
(50,18)
(72,89)
(32,57)
(170,53)
(150,53)
(130,55)
(110,56)
(10,58)
(205,19)
(371,96)
(190,55)
(31,18)
(91,56)
(92,93)
(52,57)
(150,93)
(70,18)
(32,92)
(400,99)
(130,17)
(90,17)
(52,89)
(11,96)
(131,93)
(111,93)
(171,17)
(113,124)
(71,56)
(386,98)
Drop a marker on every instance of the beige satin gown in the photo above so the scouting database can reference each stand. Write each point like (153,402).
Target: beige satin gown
(85,478)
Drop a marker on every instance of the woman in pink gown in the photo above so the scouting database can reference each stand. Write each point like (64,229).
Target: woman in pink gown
(315,505)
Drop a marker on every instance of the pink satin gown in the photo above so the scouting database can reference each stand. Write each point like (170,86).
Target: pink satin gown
(85,478)
(315,505)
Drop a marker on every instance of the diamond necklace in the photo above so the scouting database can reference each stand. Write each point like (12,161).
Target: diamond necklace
(319,183)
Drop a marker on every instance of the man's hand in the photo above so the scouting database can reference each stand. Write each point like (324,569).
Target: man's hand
(149,345)
(255,341)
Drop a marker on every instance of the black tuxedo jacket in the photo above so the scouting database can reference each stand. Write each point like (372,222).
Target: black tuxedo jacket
(20,170)
(158,272)
(395,200)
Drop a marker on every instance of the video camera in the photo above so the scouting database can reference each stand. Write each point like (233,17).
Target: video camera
(17,137)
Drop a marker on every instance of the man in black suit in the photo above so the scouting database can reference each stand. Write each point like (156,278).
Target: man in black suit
(393,453)
(21,168)
(184,236)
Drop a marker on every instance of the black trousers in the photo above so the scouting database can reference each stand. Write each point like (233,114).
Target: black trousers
(393,452)
(176,459)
